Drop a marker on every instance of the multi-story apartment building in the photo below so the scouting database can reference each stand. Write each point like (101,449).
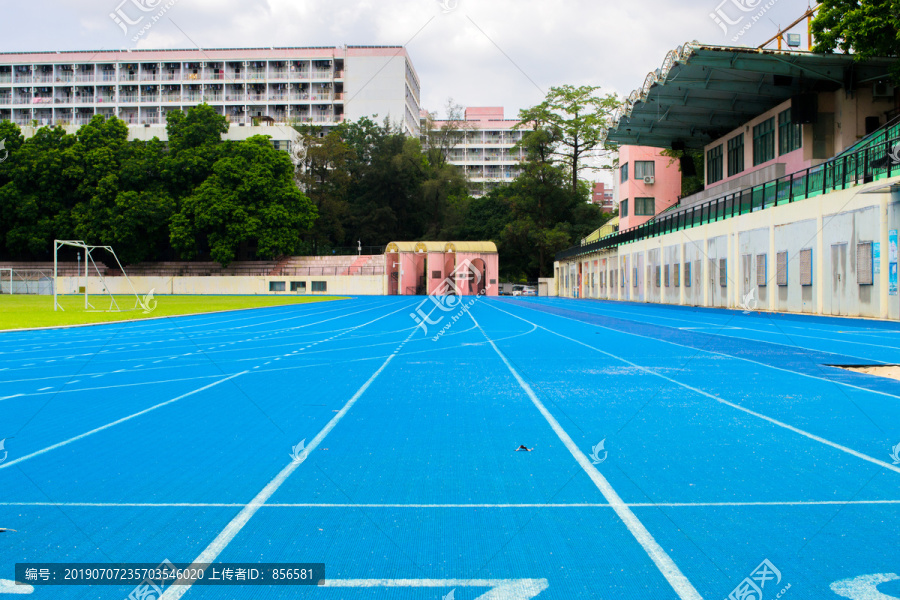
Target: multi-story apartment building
(649,183)
(484,147)
(322,86)
(602,196)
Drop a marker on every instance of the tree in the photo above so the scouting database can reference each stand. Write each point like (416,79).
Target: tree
(322,175)
(250,201)
(576,117)
(867,28)
(442,136)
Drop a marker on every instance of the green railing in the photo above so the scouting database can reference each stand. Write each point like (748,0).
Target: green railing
(878,159)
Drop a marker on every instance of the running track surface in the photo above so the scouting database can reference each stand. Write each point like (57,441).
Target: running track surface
(727,441)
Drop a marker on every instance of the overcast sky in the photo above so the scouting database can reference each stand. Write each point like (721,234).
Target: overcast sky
(479,52)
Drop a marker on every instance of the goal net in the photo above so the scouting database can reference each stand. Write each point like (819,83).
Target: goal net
(26,281)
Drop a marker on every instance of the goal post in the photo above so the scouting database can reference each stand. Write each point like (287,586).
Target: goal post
(4,271)
(89,262)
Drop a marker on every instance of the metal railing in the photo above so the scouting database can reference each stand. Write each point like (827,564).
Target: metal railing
(862,166)
(322,271)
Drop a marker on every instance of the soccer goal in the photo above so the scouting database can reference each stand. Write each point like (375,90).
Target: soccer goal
(25,281)
(100,287)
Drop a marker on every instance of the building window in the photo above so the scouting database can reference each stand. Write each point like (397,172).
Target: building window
(806,266)
(319,286)
(714,164)
(764,142)
(276,286)
(644,207)
(298,286)
(781,274)
(667,276)
(723,272)
(864,263)
(644,168)
(677,271)
(634,278)
(687,274)
(790,135)
(761,273)
(623,175)
(736,154)
(623,208)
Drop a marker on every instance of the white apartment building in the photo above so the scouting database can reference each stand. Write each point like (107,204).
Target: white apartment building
(485,148)
(249,86)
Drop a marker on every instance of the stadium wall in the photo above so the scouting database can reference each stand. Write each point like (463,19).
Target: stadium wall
(353,285)
(733,263)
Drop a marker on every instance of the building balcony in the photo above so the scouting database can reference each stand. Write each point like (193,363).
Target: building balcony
(105,99)
(22,100)
(44,78)
(65,78)
(278,96)
(170,77)
(84,99)
(170,98)
(108,76)
(128,77)
(42,100)
(83,120)
(279,74)
(149,77)
(256,75)
(301,96)
(212,97)
(255,97)
(84,77)
(150,98)
(322,73)
(322,97)
(5,77)
(23,78)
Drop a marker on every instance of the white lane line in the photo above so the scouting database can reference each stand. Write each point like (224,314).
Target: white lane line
(806,434)
(501,589)
(663,562)
(11,397)
(238,522)
(441,506)
(117,422)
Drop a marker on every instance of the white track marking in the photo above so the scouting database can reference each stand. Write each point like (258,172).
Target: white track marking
(117,422)
(663,562)
(441,506)
(501,589)
(864,587)
(639,318)
(10,587)
(238,522)
(691,348)
(806,434)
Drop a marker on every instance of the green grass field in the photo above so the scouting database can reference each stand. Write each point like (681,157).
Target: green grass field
(22,311)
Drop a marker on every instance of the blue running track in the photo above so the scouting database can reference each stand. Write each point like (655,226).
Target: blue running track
(676,453)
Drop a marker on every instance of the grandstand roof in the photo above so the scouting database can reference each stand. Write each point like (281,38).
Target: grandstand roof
(702,92)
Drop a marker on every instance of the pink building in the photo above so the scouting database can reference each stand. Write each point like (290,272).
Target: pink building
(602,196)
(649,183)
(442,268)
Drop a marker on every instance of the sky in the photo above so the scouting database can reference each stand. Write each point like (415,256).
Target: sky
(476,52)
